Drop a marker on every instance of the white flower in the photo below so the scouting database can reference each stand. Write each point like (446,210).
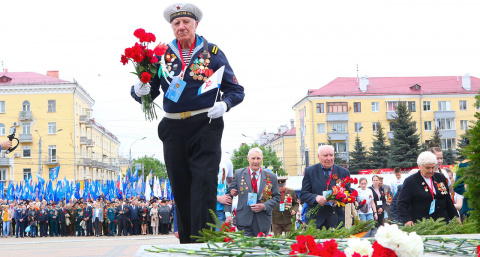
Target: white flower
(389,236)
(411,247)
(356,245)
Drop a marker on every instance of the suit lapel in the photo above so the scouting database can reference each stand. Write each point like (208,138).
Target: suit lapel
(248,180)
(263,177)
(320,175)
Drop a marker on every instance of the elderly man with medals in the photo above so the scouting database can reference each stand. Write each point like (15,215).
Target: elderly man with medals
(283,213)
(192,128)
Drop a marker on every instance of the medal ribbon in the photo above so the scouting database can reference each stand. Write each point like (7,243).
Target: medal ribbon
(283,195)
(431,188)
(184,65)
(330,180)
(254,182)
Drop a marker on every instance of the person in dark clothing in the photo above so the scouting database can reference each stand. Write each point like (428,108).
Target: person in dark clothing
(133,217)
(393,206)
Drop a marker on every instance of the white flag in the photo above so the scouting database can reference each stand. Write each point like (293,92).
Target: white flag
(148,191)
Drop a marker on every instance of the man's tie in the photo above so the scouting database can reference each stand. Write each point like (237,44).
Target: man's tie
(327,173)
(254,182)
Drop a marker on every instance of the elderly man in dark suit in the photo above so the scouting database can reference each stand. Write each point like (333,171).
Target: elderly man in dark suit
(320,178)
(261,186)
(425,194)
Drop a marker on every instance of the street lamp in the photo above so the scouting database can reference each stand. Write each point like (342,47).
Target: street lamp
(40,150)
(131,162)
(254,141)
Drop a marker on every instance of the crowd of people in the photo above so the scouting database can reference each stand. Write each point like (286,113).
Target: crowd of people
(81,217)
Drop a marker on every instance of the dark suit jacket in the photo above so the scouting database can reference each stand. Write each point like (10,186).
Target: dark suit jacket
(313,184)
(414,202)
(133,212)
(244,212)
(61,215)
(394,205)
(88,212)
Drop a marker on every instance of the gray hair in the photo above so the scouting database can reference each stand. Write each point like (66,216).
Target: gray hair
(324,147)
(255,149)
(426,157)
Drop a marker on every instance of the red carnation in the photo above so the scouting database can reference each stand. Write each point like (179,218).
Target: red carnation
(160,49)
(342,185)
(139,33)
(261,234)
(380,251)
(289,200)
(346,179)
(149,53)
(124,59)
(354,193)
(227,239)
(145,77)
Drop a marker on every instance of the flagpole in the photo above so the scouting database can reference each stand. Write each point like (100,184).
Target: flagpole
(218,89)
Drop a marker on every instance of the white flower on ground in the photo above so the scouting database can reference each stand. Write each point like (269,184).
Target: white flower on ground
(404,245)
(413,246)
(356,245)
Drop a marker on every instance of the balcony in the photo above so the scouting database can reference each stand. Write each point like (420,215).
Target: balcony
(448,133)
(25,138)
(444,114)
(337,116)
(51,160)
(4,161)
(335,136)
(390,134)
(25,116)
(391,115)
(86,141)
(83,119)
(89,124)
(85,161)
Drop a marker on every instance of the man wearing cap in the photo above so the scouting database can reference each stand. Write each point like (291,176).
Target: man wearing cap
(53,220)
(192,128)
(283,213)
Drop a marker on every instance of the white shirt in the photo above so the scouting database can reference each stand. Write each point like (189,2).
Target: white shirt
(430,184)
(367,195)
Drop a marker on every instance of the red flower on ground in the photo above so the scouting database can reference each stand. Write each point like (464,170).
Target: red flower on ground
(227,239)
(380,251)
(261,234)
(145,77)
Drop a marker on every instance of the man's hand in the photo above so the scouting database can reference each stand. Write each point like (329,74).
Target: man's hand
(321,200)
(375,216)
(234,192)
(140,89)
(6,144)
(217,111)
(229,219)
(409,223)
(224,199)
(176,235)
(257,207)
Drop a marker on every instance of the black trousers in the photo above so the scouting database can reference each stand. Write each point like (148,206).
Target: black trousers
(192,153)
(97,225)
(122,224)
(43,228)
(63,229)
(133,229)
(163,228)
(89,227)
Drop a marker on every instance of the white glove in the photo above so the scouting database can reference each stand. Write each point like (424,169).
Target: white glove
(217,111)
(141,90)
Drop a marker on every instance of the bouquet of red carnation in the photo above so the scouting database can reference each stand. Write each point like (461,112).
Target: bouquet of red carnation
(144,61)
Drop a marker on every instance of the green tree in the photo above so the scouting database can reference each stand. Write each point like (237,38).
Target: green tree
(436,140)
(239,159)
(464,140)
(378,157)
(158,168)
(404,147)
(470,174)
(358,158)
(449,157)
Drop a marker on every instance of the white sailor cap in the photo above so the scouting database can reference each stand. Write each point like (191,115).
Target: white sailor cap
(182,10)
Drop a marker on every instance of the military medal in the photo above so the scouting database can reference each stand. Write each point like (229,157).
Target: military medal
(195,77)
(205,79)
(200,77)
(168,58)
(175,66)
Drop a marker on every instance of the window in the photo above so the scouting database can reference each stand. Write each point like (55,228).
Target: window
(52,153)
(392,106)
(27,153)
(337,107)
(320,144)
(52,106)
(2,106)
(26,106)
(358,127)
(411,106)
(27,174)
(464,124)
(463,105)
(357,107)
(2,129)
(52,128)
(444,106)
(320,107)
(3,175)
(26,128)
(428,125)
(375,107)
(448,143)
(375,126)
(426,106)
(338,127)
(340,147)
(321,128)
(448,124)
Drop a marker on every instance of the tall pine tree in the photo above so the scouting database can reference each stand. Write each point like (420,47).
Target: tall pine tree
(464,140)
(358,158)
(436,140)
(378,157)
(404,147)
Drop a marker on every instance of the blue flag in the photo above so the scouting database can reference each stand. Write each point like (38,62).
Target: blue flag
(10,192)
(135,175)
(1,190)
(54,172)
(139,188)
(40,179)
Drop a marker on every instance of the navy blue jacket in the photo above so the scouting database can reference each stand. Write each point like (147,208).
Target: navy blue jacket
(190,100)
(133,212)
(313,184)
(21,214)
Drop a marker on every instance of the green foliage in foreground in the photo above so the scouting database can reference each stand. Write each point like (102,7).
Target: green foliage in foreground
(338,232)
(440,227)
